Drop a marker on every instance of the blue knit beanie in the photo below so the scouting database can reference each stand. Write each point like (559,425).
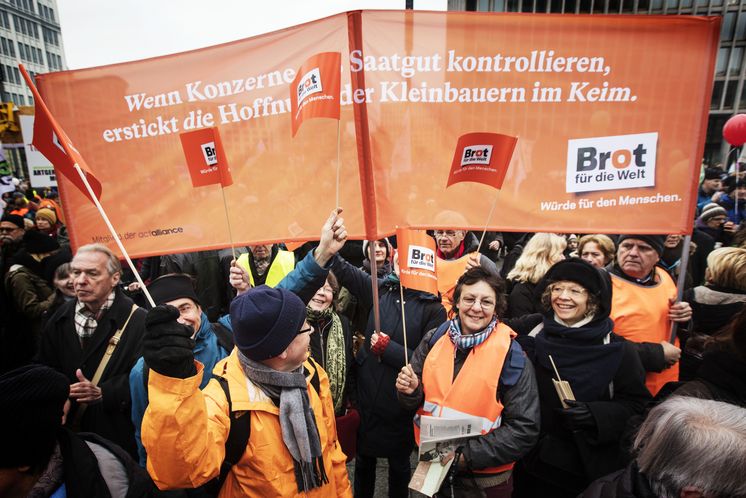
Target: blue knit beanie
(265,321)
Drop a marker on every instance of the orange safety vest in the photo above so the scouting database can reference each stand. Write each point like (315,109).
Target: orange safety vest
(473,392)
(448,272)
(640,314)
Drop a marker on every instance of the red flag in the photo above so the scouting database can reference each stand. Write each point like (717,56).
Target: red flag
(314,93)
(417,260)
(205,157)
(55,145)
(482,158)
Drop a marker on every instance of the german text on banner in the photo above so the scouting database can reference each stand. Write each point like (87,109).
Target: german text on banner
(205,157)
(314,92)
(417,260)
(482,158)
(607,143)
(51,140)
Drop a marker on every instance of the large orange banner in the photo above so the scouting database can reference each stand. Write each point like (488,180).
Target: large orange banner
(609,139)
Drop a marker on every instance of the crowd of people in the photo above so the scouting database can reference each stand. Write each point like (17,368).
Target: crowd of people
(270,372)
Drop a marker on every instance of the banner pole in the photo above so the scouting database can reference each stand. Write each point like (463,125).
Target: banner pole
(374,288)
(338,167)
(403,323)
(228,219)
(681,280)
(489,217)
(114,234)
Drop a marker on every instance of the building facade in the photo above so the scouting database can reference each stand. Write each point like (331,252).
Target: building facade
(29,34)
(729,92)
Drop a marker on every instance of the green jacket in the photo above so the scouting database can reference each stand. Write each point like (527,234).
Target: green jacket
(31,295)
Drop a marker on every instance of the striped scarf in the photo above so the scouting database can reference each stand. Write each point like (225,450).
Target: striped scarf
(86,321)
(465,342)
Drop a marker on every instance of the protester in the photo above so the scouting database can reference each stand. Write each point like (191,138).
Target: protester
(734,201)
(383,254)
(710,188)
(267,264)
(12,229)
(541,252)
(598,249)
(385,427)
(331,346)
(715,303)
(47,223)
(64,289)
(212,341)
(580,441)
(294,449)
(686,447)
(95,341)
(205,268)
(470,365)
(722,373)
(28,285)
(40,459)
(714,222)
(571,250)
(347,303)
(456,252)
(670,260)
(643,306)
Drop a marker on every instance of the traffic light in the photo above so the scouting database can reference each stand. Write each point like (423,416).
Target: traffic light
(8,121)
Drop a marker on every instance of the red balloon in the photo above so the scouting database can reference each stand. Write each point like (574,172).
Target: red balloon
(734,130)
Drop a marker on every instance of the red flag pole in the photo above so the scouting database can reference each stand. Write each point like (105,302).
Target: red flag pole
(228,219)
(489,217)
(114,234)
(337,184)
(403,323)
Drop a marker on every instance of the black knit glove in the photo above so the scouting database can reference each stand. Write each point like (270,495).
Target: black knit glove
(168,347)
(577,417)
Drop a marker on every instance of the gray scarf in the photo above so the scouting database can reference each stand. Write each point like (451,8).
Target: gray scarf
(297,422)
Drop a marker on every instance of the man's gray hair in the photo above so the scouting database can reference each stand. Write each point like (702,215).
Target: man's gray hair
(112,264)
(693,442)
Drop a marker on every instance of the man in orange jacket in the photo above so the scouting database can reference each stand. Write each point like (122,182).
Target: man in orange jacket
(292,448)
(644,305)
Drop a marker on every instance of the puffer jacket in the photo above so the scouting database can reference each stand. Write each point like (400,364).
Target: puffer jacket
(184,432)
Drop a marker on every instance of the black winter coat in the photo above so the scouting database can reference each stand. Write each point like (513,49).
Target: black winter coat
(385,427)
(60,349)
(563,463)
(318,345)
(627,483)
(85,477)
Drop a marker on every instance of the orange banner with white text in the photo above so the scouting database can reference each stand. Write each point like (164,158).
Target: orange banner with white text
(608,140)
(205,157)
(416,251)
(314,92)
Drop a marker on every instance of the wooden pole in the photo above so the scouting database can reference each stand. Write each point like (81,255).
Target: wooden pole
(114,234)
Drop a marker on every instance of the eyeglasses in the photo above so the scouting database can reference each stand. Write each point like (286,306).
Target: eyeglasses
(486,304)
(303,331)
(447,233)
(573,292)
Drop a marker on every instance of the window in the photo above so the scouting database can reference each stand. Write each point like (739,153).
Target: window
(4,20)
(736,58)
(729,23)
(722,61)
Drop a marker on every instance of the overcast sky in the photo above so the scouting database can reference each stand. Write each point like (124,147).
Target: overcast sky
(98,32)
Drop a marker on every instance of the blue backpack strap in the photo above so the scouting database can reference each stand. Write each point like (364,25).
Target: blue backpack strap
(515,362)
(439,332)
